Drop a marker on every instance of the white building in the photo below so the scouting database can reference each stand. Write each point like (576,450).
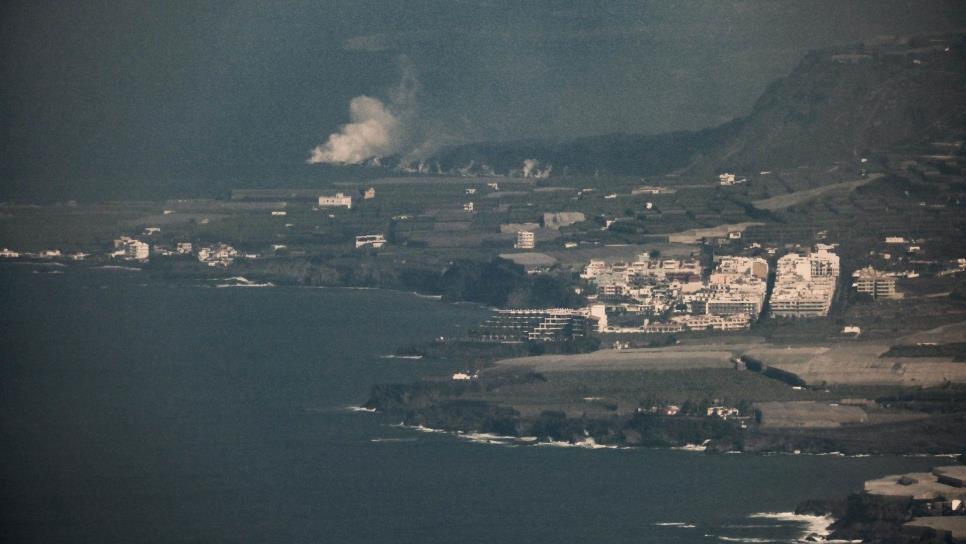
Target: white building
(468,207)
(128,248)
(733,303)
(805,284)
(339,200)
(593,269)
(374,240)
(724,412)
(8,254)
(878,284)
(217,255)
(369,193)
(525,240)
(714,322)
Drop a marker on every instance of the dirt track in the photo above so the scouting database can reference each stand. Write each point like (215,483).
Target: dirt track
(781,202)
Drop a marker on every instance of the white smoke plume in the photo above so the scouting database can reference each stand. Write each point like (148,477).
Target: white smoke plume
(531,169)
(375,129)
(529,166)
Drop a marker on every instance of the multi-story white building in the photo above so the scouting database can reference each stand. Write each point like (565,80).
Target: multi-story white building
(129,248)
(805,284)
(339,200)
(525,240)
(730,268)
(593,269)
(873,282)
(551,324)
(734,303)
(714,322)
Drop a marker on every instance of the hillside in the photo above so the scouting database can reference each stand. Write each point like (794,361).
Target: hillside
(837,103)
(846,103)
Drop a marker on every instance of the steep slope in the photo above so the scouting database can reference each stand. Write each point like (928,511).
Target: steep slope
(844,103)
(836,104)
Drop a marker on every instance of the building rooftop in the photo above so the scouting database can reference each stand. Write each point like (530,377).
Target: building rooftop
(919,485)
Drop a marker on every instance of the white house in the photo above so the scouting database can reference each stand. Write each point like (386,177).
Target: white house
(339,200)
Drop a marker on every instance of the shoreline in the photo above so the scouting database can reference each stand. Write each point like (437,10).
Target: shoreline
(589,443)
(469,408)
(180,280)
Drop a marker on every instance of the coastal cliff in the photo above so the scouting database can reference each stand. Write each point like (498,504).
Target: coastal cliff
(443,405)
(467,407)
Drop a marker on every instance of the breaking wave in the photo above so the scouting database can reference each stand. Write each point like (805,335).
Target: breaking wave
(413,357)
(678,524)
(815,527)
(360,409)
(118,267)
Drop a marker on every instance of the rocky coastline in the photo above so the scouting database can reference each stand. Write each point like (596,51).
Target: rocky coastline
(455,407)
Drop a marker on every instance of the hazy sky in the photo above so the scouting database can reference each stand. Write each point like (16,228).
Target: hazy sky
(137,92)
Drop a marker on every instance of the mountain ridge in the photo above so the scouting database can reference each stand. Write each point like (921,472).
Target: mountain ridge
(837,103)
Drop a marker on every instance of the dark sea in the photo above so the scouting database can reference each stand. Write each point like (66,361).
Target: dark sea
(138,411)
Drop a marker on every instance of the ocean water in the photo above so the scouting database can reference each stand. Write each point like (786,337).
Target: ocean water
(139,411)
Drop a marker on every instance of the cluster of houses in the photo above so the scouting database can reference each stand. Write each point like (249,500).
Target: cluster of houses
(671,295)
(729,413)
(130,249)
(218,255)
(7,253)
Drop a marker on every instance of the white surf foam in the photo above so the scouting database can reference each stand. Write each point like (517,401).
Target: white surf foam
(412,357)
(434,297)
(118,267)
(587,443)
(360,409)
(488,438)
(241,281)
(814,526)
(419,428)
(691,447)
